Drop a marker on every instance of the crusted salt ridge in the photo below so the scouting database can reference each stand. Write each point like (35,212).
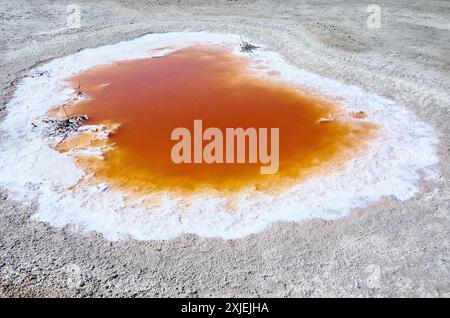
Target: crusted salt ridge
(36,173)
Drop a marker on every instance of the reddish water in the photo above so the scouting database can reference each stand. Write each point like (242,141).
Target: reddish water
(151,97)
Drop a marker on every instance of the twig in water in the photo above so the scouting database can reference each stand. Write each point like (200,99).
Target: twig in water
(64,109)
(79,92)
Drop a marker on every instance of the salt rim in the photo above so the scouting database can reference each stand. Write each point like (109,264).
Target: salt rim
(35,173)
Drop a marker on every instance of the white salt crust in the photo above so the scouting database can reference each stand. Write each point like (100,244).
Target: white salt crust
(36,174)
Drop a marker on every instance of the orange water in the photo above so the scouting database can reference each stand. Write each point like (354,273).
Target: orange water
(150,97)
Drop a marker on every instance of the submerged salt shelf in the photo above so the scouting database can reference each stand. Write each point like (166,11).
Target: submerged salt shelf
(36,173)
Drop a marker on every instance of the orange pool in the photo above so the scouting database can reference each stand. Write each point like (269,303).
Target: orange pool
(150,97)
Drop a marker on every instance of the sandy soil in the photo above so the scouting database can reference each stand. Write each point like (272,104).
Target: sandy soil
(389,249)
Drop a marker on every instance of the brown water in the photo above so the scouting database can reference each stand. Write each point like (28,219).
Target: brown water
(151,97)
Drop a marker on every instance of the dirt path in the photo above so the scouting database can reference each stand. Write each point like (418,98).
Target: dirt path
(390,249)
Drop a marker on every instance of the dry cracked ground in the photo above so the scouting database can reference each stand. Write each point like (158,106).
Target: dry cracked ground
(391,248)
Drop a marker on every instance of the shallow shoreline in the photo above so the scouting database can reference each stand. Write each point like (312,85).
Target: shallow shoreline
(388,249)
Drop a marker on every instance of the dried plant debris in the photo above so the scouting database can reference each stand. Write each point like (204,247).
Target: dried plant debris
(39,74)
(247,47)
(62,127)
